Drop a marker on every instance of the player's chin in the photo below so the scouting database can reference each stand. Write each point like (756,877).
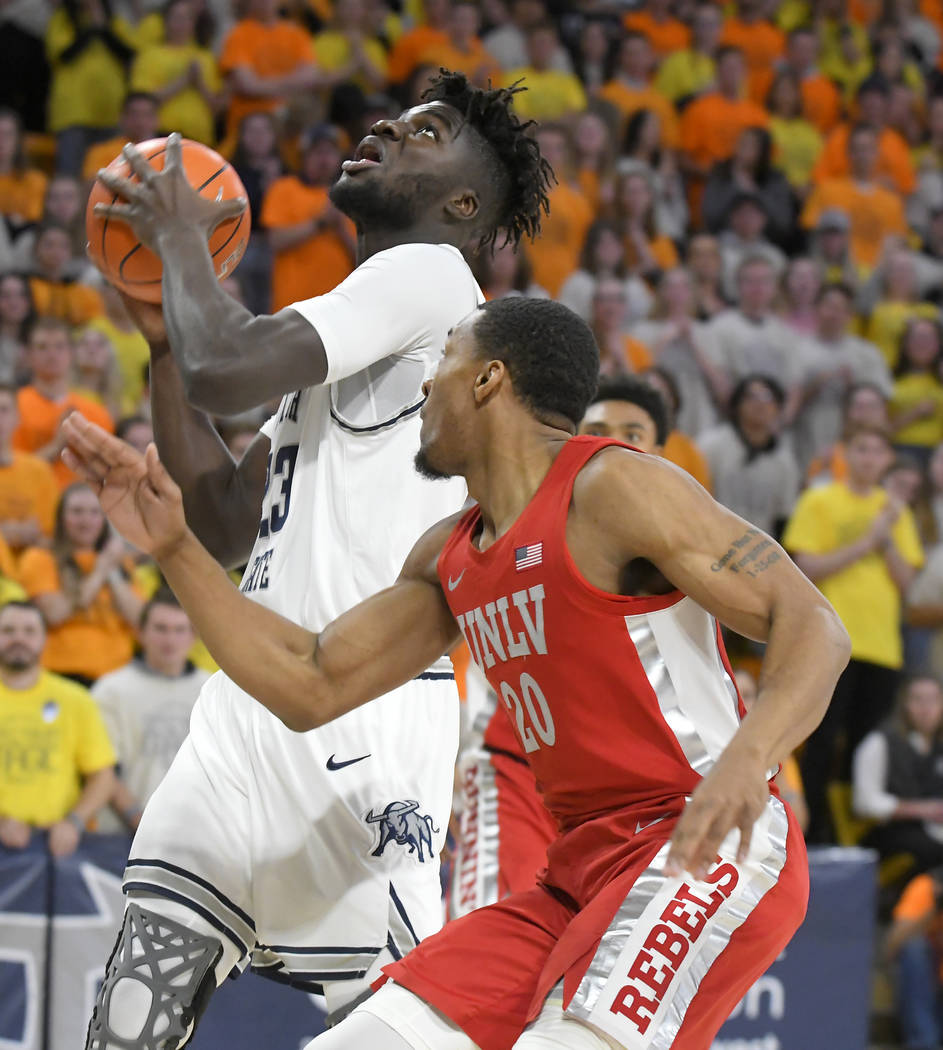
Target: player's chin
(428,465)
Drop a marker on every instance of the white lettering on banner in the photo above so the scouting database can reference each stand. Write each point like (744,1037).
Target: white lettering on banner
(771,989)
(770,1041)
(483,628)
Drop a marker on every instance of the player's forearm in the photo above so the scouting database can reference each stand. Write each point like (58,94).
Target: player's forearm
(807,649)
(230,361)
(221,501)
(269,657)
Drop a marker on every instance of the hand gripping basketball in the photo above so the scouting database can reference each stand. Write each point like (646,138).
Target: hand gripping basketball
(194,188)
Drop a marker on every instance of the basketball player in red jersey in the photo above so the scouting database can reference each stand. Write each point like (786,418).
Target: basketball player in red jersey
(677,876)
(504,828)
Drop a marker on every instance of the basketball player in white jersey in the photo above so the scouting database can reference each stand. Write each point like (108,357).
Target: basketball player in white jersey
(261,847)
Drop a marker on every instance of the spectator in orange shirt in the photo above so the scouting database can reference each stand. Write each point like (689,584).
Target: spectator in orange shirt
(56,292)
(461,50)
(894,168)
(761,42)
(138,123)
(22,188)
(618,352)
(595,159)
(414,43)
(266,60)
(821,101)
(84,591)
(711,125)
(631,88)
(874,212)
(48,399)
(29,491)
(647,251)
(556,252)
(655,20)
(313,244)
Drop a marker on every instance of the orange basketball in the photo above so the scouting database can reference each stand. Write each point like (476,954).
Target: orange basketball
(136,270)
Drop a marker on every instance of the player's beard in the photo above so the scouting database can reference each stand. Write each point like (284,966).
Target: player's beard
(374,206)
(428,470)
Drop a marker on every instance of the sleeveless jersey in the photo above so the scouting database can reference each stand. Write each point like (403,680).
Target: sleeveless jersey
(616,701)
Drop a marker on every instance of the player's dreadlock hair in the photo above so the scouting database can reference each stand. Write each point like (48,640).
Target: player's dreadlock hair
(520,177)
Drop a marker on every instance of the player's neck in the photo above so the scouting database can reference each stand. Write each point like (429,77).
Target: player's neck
(369,243)
(509,473)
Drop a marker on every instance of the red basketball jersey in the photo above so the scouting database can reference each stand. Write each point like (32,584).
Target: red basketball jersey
(616,701)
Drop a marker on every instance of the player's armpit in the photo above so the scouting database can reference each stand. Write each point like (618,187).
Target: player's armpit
(633,506)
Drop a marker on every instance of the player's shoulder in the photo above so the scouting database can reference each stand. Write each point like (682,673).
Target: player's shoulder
(422,562)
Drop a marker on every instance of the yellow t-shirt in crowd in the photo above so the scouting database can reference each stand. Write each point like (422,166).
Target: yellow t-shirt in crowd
(683,74)
(551,94)
(89,89)
(52,736)
(909,391)
(863,593)
(333,51)
(887,323)
(187,111)
(797,145)
(132,354)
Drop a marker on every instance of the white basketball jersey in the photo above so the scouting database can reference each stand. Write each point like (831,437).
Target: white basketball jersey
(344,504)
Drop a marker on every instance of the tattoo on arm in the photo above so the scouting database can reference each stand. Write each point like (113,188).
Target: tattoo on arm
(752,553)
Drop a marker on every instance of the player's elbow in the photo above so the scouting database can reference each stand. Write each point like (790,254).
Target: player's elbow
(834,635)
(207,389)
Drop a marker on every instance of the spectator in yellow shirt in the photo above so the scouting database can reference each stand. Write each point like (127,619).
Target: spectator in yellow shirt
(59,763)
(684,74)
(349,49)
(89,49)
(181,75)
(551,94)
(859,545)
(917,398)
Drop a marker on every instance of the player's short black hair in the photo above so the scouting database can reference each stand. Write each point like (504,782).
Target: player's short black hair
(637,392)
(519,176)
(550,353)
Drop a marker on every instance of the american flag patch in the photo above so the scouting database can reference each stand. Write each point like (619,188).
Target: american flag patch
(528,557)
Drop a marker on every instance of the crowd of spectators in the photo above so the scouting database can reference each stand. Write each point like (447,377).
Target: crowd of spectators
(748,211)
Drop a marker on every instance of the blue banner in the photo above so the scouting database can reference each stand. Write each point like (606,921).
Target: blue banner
(50,970)
(817,995)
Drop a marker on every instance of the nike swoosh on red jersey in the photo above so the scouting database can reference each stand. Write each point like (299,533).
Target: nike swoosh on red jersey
(641,827)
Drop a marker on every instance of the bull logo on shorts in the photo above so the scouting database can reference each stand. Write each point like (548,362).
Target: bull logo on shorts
(400,822)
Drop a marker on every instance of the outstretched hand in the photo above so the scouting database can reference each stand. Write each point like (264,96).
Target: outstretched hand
(136,493)
(162,201)
(732,795)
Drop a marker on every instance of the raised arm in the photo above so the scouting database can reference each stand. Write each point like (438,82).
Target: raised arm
(305,679)
(230,360)
(745,579)
(220,496)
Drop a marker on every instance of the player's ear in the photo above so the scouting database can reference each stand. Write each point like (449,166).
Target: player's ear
(462,205)
(489,380)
